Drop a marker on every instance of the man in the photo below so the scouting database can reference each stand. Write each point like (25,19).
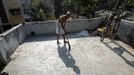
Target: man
(60,27)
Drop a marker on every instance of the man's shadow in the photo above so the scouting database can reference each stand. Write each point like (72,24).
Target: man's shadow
(67,58)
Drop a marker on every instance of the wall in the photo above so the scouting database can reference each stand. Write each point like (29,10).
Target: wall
(48,27)
(126,32)
(10,40)
(13,5)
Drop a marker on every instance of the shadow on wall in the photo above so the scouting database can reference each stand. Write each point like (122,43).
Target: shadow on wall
(119,51)
(67,58)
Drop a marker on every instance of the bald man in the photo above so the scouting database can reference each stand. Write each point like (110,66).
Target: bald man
(60,27)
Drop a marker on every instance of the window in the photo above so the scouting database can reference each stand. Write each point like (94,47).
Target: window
(15,11)
(26,11)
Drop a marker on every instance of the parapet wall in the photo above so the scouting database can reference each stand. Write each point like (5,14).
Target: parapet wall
(49,27)
(10,40)
(126,32)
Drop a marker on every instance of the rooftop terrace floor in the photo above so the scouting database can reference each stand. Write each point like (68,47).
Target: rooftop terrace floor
(40,55)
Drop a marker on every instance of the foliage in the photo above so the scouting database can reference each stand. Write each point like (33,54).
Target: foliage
(83,7)
(70,5)
(130,4)
(41,15)
(111,4)
(58,8)
(37,10)
(88,6)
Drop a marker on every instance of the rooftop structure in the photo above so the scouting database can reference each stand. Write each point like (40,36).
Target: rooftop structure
(25,54)
(10,10)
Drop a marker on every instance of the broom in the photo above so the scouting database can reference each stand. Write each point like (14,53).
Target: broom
(68,43)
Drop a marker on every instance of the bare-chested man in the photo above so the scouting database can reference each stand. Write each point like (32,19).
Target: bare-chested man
(60,27)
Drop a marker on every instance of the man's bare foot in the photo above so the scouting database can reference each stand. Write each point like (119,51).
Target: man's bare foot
(65,42)
(58,42)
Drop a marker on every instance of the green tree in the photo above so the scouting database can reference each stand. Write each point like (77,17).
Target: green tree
(58,8)
(130,4)
(88,6)
(111,3)
(41,16)
(37,10)
(70,5)
(84,7)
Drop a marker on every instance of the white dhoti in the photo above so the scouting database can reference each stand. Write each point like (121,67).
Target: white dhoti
(59,29)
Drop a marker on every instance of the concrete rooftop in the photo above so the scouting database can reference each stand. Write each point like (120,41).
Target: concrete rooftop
(40,55)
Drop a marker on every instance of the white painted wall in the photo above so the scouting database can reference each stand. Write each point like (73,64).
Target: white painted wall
(10,40)
(126,32)
(49,27)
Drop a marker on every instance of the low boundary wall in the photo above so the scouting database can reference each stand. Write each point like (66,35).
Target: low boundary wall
(12,38)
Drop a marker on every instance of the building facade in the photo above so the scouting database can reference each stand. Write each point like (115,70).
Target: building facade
(50,5)
(10,13)
(25,8)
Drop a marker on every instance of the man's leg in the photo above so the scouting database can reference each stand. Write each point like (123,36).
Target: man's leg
(64,38)
(58,39)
